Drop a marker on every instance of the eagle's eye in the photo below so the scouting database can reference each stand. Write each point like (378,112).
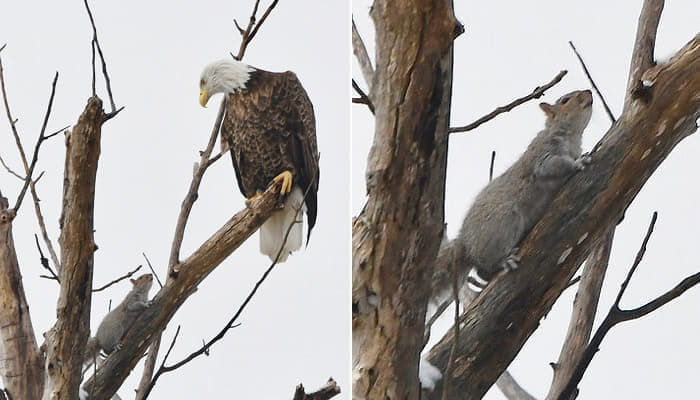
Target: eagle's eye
(201,83)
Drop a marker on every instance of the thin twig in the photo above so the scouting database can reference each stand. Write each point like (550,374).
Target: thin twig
(49,136)
(215,159)
(11,120)
(590,79)
(363,99)
(42,224)
(35,157)
(191,196)
(453,351)
(45,261)
(637,260)
(121,278)
(92,45)
(617,315)
(27,167)
(493,161)
(108,84)
(253,27)
(360,52)
(152,270)
(536,93)
(20,177)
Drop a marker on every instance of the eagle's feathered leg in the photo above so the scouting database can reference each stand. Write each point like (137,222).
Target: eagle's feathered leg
(274,230)
(286,178)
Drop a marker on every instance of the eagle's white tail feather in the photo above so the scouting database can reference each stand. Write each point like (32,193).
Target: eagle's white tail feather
(273,230)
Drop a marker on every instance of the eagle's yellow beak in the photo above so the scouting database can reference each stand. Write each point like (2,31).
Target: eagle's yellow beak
(204,96)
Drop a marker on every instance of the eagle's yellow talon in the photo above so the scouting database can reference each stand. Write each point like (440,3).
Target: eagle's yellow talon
(252,198)
(286,178)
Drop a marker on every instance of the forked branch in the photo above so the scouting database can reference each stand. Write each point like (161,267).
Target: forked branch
(617,315)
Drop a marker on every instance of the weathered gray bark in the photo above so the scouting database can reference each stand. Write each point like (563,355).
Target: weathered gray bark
(397,235)
(500,320)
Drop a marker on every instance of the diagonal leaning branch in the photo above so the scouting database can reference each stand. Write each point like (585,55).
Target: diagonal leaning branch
(500,320)
(176,291)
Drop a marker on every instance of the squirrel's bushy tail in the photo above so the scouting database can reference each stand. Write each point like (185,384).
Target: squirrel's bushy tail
(92,351)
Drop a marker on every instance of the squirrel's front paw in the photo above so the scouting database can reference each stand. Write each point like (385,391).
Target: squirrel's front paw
(512,262)
(582,161)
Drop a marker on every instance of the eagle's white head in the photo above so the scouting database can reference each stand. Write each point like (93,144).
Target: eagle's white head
(223,76)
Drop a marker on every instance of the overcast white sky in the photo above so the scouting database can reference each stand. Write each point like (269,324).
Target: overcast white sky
(507,50)
(297,327)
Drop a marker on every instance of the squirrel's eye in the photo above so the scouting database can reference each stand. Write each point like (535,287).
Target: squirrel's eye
(564,100)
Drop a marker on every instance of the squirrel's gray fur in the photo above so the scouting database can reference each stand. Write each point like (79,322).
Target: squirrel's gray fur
(116,322)
(511,204)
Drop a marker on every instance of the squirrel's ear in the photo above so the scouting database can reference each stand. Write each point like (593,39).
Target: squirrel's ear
(133,281)
(548,109)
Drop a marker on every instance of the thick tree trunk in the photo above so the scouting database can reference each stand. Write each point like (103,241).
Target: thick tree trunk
(397,235)
(499,321)
(20,358)
(66,340)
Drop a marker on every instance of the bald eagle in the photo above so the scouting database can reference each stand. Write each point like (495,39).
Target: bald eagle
(270,130)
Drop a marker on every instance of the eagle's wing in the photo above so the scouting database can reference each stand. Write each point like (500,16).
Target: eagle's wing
(227,144)
(303,145)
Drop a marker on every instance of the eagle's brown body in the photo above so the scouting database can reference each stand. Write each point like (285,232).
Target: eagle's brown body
(270,127)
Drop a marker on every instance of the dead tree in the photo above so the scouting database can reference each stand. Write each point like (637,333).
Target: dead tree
(53,370)
(395,238)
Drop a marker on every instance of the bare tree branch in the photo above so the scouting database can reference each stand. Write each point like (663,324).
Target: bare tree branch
(175,292)
(360,51)
(121,278)
(191,196)
(329,390)
(617,315)
(536,94)
(231,323)
(363,99)
(588,205)
(12,172)
(96,43)
(45,261)
(252,29)
(153,271)
(643,51)
(590,79)
(29,169)
(511,389)
(582,316)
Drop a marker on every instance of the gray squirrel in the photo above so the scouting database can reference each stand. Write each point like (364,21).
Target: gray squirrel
(510,205)
(116,322)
